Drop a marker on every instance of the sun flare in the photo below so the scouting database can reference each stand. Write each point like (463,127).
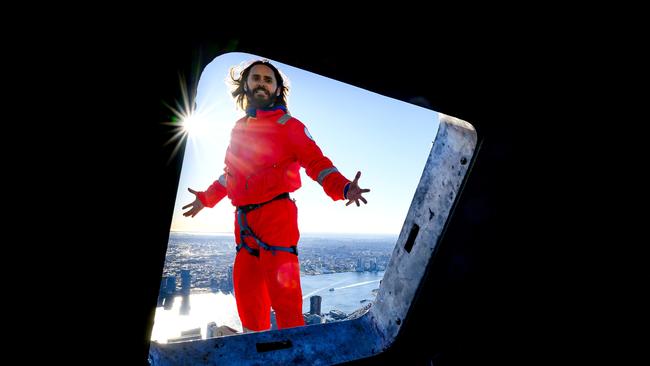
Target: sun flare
(186,120)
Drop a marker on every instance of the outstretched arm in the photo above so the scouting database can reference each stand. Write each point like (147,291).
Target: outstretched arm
(196,206)
(317,166)
(209,198)
(354,192)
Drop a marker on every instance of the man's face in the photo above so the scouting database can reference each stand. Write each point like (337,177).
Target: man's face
(262,88)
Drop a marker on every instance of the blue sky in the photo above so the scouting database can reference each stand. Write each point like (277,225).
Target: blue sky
(386,139)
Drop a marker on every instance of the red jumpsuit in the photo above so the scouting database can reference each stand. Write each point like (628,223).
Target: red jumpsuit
(263,161)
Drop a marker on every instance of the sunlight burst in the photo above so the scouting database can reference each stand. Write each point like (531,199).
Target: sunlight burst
(185,120)
(195,124)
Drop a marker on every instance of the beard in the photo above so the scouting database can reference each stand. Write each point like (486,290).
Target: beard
(260,101)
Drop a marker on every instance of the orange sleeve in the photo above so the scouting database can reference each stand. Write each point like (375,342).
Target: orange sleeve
(217,191)
(317,166)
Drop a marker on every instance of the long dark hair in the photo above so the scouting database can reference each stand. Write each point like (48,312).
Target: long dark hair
(238,80)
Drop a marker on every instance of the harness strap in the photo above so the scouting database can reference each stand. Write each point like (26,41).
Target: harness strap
(253,252)
(251,207)
(245,231)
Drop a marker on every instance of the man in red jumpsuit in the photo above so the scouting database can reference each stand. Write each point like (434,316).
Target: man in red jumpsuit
(267,148)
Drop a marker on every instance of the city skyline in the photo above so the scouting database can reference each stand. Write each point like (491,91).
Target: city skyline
(210,258)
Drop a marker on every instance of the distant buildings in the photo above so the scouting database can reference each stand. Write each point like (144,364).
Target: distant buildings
(222,281)
(312,319)
(314,316)
(360,267)
(170,288)
(229,284)
(213,330)
(210,260)
(185,305)
(187,335)
(214,284)
(210,330)
(314,304)
(186,281)
(373,265)
(167,293)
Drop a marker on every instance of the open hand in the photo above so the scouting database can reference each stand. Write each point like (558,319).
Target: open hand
(196,206)
(354,192)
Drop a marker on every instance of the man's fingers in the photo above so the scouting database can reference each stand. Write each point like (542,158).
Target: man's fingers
(365,190)
(188,205)
(364,200)
(192,212)
(348,204)
(356,178)
(192,191)
(358,204)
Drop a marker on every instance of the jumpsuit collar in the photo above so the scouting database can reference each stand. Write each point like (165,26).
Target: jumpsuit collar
(252,112)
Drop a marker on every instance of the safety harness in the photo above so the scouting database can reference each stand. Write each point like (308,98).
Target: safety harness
(245,230)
